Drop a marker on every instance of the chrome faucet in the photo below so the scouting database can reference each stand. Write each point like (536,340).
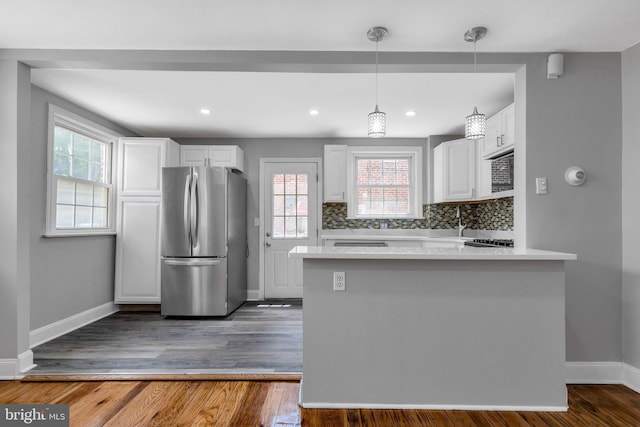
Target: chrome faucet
(461,226)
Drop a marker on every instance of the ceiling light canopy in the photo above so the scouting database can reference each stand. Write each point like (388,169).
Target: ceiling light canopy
(475,123)
(377,120)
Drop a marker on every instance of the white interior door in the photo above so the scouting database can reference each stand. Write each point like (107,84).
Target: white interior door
(290,219)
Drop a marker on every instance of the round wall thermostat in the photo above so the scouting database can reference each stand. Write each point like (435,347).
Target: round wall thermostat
(575,176)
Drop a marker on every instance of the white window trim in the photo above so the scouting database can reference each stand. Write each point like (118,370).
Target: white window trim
(74,122)
(413,152)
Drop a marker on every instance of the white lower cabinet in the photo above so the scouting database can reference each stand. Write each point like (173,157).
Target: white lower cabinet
(138,251)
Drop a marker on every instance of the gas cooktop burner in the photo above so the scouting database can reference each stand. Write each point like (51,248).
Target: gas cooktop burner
(490,243)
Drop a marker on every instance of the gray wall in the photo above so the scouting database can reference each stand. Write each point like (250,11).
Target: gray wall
(68,274)
(14,199)
(575,121)
(254,150)
(630,205)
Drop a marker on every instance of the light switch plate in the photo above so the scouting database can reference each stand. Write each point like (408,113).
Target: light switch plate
(541,186)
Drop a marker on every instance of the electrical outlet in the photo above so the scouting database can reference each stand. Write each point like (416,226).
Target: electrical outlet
(339,282)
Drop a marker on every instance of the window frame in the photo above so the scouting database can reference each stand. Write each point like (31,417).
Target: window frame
(58,116)
(413,153)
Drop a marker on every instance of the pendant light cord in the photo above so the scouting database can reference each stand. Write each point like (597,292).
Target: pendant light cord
(377,71)
(475,75)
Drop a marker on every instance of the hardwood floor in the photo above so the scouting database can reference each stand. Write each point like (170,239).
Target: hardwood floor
(262,403)
(252,340)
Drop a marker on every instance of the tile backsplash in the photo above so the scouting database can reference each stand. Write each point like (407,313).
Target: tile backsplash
(492,215)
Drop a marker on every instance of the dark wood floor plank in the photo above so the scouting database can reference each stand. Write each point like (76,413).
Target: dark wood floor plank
(487,418)
(289,412)
(611,411)
(212,397)
(40,393)
(250,411)
(102,402)
(143,407)
(533,419)
(325,418)
(460,418)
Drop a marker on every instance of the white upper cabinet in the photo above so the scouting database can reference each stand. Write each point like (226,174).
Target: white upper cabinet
(454,173)
(500,133)
(335,173)
(140,162)
(230,156)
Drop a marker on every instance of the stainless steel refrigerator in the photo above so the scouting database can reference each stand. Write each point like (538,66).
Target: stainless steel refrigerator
(203,241)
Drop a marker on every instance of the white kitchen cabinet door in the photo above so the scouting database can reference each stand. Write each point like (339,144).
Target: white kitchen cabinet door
(500,133)
(230,156)
(194,155)
(335,173)
(455,171)
(140,162)
(483,173)
(137,277)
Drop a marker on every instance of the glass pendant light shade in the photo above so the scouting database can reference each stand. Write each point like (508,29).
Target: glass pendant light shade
(475,125)
(377,124)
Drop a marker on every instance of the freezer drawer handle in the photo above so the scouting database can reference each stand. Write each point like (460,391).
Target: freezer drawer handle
(192,262)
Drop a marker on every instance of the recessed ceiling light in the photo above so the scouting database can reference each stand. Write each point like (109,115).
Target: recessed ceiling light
(314,112)
(205,111)
(410,113)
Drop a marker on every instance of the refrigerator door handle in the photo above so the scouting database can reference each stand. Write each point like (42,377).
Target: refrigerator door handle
(194,211)
(186,205)
(192,262)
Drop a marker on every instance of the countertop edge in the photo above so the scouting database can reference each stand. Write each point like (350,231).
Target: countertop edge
(438,253)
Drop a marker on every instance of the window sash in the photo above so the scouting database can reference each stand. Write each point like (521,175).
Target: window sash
(413,156)
(94,213)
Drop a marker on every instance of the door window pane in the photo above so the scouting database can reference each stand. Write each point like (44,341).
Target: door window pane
(290,206)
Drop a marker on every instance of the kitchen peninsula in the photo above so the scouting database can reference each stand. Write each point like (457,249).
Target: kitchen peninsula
(434,327)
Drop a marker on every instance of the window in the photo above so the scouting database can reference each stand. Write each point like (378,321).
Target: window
(80,190)
(384,182)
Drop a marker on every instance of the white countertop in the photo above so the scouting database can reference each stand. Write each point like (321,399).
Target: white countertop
(440,253)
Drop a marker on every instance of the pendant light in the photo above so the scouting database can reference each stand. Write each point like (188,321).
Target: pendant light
(377,121)
(476,122)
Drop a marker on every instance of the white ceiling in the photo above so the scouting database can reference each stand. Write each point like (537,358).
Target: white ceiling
(252,104)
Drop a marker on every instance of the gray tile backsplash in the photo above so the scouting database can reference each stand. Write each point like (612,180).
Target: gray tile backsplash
(492,215)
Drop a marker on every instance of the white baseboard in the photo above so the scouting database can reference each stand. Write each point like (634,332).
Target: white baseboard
(12,369)
(323,405)
(632,378)
(254,295)
(595,372)
(64,326)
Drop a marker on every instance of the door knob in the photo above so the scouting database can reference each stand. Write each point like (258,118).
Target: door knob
(268,234)
(268,244)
